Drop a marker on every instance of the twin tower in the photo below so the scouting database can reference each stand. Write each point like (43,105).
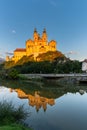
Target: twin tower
(35,46)
(36,36)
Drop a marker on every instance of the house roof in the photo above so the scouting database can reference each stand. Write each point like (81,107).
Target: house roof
(85,60)
(20,50)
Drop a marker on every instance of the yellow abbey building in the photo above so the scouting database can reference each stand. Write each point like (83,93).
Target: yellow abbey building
(35,46)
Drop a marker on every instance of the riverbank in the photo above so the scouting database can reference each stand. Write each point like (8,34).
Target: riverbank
(13,127)
(68,78)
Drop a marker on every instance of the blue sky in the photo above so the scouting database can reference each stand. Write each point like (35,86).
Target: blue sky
(64,20)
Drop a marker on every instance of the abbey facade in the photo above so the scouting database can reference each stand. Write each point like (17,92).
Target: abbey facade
(35,46)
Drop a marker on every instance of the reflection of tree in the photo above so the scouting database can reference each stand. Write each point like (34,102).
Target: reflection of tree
(48,89)
(41,93)
(36,100)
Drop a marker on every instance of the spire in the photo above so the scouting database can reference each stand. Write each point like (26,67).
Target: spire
(44,31)
(35,30)
(44,35)
(35,35)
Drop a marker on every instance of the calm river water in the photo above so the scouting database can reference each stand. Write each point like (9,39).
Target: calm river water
(51,106)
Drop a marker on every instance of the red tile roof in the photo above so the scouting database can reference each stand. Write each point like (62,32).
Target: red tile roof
(20,50)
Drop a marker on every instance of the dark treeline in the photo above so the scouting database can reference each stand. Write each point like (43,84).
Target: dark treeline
(50,62)
(50,67)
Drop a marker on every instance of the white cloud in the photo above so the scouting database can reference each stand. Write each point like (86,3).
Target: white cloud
(1,55)
(13,31)
(8,53)
(71,52)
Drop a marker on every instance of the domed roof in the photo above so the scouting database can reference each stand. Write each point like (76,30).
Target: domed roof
(30,42)
(52,43)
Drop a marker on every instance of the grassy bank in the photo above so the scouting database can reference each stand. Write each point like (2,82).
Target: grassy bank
(14,127)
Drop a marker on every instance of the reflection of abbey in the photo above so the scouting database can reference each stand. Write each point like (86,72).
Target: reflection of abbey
(35,100)
(34,46)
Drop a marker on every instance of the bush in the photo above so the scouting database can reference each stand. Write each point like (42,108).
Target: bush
(13,74)
(9,114)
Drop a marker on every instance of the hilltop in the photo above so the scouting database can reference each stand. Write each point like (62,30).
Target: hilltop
(49,56)
(50,62)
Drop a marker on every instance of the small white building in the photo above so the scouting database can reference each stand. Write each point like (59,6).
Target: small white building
(84,65)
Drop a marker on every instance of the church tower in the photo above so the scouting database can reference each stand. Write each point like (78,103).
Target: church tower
(35,35)
(44,36)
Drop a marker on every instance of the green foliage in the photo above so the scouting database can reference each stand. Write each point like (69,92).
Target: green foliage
(9,64)
(10,114)
(50,62)
(36,67)
(13,74)
(14,127)
(60,65)
(68,67)
(9,73)
(1,66)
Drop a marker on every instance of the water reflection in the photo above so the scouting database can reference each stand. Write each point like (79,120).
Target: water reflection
(65,107)
(36,100)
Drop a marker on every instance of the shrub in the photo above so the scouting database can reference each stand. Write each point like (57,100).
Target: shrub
(13,74)
(9,114)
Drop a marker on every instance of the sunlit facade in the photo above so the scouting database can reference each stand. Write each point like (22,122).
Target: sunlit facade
(35,46)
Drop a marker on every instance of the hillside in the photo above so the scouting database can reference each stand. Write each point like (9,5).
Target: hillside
(1,60)
(49,56)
